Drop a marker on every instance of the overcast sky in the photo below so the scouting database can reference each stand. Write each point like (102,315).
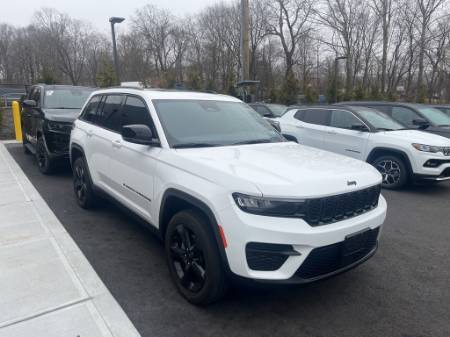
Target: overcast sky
(19,12)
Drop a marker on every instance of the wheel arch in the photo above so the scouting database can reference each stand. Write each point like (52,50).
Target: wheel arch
(174,201)
(385,151)
(75,152)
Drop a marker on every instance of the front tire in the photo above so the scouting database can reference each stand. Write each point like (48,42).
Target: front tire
(82,184)
(45,164)
(193,258)
(24,144)
(393,170)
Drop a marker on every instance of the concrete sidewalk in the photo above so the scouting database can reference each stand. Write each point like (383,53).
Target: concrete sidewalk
(47,286)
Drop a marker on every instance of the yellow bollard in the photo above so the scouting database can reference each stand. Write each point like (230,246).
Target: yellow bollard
(17,123)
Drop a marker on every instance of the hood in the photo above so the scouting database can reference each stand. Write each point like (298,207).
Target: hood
(443,131)
(278,169)
(421,137)
(61,115)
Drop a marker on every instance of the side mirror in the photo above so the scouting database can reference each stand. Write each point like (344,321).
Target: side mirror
(290,138)
(138,134)
(30,103)
(421,123)
(359,127)
(275,124)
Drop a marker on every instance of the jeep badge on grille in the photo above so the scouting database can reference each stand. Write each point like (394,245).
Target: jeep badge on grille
(351,183)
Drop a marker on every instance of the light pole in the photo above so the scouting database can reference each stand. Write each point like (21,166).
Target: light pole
(113,20)
(336,63)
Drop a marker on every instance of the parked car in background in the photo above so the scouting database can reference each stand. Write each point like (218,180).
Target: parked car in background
(399,154)
(269,110)
(414,116)
(224,190)
(443,108)
(48,112)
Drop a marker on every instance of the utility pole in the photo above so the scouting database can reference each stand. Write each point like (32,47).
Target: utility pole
(245,40)
(113,20)
(336,74)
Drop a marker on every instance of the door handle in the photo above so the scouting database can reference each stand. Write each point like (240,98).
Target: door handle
(332,132)
(117,144)
(299,127)
(90,133)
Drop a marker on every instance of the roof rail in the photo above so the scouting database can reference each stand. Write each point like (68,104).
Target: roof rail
(123,87)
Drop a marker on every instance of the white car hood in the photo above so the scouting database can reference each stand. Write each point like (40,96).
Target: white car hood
(415,136)
(279,169)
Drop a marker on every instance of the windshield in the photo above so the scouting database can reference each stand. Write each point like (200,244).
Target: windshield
(379,120)
(204,123)
(435,116)
(277,109)
(66,98)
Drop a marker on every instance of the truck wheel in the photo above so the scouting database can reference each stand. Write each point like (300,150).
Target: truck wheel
(393,170)
(193,258)
(82,184)
(45,164)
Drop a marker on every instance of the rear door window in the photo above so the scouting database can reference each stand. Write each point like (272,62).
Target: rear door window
(317,116)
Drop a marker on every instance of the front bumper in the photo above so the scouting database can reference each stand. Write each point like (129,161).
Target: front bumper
(242,229)
(438,171)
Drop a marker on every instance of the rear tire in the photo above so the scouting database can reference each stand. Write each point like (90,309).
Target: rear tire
(193,258)
(45,163)
(393,170)
(82,184)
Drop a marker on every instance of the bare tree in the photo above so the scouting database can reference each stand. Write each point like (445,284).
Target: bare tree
(290,21)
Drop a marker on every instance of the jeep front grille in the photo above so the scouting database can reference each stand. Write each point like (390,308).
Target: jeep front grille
(323,211)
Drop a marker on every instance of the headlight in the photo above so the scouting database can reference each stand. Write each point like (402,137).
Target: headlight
(60,127)
(270,207)
(432,149)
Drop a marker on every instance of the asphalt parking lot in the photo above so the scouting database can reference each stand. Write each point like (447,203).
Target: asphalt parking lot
(404,290)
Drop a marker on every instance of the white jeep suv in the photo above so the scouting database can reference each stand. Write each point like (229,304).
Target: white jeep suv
(228,195)
(401,155)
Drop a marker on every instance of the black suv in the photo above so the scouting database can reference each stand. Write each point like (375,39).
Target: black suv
(414,116)
(48,112)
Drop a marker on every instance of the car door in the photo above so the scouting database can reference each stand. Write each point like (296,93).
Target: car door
(133,165)
(101,135)
(311,125)
(341,136)
(27,115)
(405,116)
(36,115)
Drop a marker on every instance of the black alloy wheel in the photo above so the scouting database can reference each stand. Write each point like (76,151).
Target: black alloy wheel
(187,259)
(193,258)
(82,184)
(45,164)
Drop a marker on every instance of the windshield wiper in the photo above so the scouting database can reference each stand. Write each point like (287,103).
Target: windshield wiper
(444,125)
(63,108)
(253,141)
(193,145)
(385,129)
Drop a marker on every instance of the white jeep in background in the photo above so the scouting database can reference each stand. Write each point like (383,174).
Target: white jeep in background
(228,195)
(401,155)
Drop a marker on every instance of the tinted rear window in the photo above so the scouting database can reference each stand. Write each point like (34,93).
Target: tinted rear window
(317,116)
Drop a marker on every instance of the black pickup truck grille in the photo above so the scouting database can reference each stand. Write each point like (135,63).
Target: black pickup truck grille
(323,211)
